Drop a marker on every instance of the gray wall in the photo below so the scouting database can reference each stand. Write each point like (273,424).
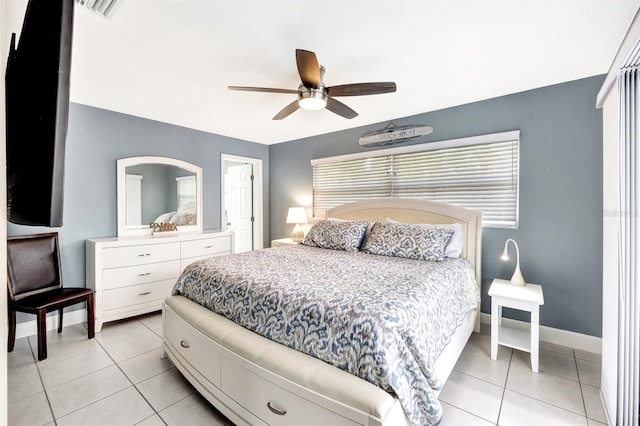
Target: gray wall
(158,192)
(560,232)
(96,139)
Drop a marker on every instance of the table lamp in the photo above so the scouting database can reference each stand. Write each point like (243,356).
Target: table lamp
(517,278)
(297,215)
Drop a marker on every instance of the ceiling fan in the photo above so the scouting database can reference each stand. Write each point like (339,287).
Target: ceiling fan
(314,95)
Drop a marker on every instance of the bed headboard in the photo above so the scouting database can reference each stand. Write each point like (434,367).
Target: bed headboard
(408,210)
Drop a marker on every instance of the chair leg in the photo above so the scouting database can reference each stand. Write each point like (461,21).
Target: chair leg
(12,329)
(42,334)
(90,318)
(60,312)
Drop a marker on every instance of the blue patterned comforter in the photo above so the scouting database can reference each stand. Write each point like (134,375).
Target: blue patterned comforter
(384,319)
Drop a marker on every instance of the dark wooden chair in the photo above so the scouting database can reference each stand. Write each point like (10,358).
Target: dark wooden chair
(35,285)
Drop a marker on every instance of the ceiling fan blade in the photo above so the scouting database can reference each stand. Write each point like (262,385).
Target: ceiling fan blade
(308,68)
(358,89)
(288,110)
(262,89)
(340,109)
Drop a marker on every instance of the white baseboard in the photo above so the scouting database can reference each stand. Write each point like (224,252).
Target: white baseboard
(30,328)
(554,335)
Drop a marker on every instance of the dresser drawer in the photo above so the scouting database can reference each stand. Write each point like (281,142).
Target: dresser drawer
(139,255)
(206,247)
(186,262)
(193,346)
(140,274)
(136,294)
(257,394)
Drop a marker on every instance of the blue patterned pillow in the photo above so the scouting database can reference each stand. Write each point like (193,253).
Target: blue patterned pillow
(336,235)
(409,241)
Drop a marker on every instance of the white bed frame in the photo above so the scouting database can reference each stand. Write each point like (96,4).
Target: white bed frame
(255,381)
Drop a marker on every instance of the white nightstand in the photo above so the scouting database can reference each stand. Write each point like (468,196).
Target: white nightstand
(525,298)
(283,242)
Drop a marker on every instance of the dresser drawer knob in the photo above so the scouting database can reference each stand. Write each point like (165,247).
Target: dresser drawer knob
(208,247)
(184,344)
(144,274)
(144,254)
(144,294)
(275,410)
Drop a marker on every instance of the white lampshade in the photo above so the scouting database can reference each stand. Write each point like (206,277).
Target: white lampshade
(297,215)
(517,278)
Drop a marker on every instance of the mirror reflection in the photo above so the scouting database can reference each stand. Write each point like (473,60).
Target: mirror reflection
(159,193)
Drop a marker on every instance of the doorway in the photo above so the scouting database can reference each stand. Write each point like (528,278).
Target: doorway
(241,206)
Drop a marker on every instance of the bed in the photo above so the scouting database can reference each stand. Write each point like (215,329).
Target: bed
(254,380)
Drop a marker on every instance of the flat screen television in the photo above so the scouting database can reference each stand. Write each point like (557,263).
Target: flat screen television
(37,110)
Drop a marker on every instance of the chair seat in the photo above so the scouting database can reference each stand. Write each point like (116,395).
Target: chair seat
(53,299)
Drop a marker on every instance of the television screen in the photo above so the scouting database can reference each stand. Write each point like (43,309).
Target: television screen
(37,110)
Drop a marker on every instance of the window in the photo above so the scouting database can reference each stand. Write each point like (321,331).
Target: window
(479,173)
(186,190)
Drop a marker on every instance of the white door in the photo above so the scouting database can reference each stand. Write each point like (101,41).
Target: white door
(238,195)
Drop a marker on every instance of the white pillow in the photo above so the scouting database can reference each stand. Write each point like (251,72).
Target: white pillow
(164,217)
(454,247)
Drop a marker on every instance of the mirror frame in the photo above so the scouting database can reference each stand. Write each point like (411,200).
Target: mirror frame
(123,163)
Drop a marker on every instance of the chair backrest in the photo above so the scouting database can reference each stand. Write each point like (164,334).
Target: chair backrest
(33,263)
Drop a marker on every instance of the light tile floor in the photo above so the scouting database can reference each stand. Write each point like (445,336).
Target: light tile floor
(118,378)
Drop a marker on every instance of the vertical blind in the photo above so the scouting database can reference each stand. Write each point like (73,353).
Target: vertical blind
(479,173)
(628,410)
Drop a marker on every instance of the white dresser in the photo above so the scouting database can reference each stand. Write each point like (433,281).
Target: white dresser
(133,275)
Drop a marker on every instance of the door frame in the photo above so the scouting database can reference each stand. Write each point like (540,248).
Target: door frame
(258,205)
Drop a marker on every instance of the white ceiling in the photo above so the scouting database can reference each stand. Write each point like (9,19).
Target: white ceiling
(172,60)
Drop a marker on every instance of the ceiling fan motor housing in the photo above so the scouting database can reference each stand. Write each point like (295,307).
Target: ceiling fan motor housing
(311,98)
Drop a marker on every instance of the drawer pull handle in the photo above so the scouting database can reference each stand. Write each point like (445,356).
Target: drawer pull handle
(144,254)
(208,247)
(144,294)
(144,274)
(275,410)
(184,344)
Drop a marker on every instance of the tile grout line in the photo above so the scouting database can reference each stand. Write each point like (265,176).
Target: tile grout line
(584,404)
(100,399)
(130,381)
(504,388)
(44,389)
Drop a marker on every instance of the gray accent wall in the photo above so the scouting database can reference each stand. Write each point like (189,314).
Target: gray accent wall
(96,139)
(560,232)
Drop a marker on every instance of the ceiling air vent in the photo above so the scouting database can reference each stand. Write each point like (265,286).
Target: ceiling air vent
(104,8)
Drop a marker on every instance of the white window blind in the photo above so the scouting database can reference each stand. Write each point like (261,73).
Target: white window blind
(479,173)
(186,190)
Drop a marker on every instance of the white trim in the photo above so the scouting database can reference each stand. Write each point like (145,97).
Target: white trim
(258,202)
(630,41)
(554,335)
(430,146)
(123,163)
(30,328)
(3,231)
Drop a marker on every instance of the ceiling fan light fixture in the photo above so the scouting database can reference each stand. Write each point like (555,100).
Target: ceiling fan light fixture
(312,100)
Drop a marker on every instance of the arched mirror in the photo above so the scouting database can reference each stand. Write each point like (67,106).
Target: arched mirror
(160,190)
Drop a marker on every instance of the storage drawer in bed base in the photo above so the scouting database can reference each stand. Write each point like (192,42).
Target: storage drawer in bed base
(243,390)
